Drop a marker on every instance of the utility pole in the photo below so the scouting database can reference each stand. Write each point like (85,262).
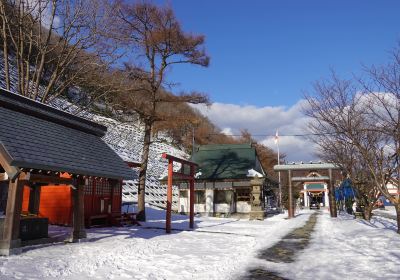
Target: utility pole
(193,140)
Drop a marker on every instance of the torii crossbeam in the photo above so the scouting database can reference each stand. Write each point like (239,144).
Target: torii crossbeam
(180,175)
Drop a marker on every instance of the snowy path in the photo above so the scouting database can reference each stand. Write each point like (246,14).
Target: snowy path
(345,248)
(284,251)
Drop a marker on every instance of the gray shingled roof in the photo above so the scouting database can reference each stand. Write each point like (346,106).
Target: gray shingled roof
(33,135)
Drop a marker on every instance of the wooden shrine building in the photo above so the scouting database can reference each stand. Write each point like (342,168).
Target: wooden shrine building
(230,182)
(57,158)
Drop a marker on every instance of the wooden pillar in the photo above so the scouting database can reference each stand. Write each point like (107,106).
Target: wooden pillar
(332,201)
(191,190)
(113,184)
(93,180)
(290,210)
(169,197)
(34,199)
(78,211)
(9,236)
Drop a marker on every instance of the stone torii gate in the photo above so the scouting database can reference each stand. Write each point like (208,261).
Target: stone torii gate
(309,167)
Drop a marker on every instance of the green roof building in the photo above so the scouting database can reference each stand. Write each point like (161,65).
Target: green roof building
(226,162)
(230,181)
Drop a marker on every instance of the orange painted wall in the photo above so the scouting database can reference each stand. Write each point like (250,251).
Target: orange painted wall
(56,204)
(25,201)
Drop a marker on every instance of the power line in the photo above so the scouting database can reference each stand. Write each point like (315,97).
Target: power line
(280,135)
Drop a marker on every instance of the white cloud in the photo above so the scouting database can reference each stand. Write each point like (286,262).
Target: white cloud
(265,121)
(227,131)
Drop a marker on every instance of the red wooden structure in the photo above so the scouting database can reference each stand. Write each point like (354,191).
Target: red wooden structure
(102,202)
(182,176)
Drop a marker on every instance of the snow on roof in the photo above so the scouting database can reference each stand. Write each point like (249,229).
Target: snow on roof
(126,139)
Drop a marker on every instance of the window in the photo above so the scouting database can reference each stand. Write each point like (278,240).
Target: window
(88,187)
(223,196)
(183,194)
(199,197)
(243,194)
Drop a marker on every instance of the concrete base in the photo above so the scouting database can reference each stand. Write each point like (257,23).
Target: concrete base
(256,215)
(9,252)
(77,236)
(8,248)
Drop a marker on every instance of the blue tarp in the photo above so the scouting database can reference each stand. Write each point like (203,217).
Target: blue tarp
(345,191)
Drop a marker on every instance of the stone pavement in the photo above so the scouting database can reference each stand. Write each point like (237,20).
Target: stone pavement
(284,251)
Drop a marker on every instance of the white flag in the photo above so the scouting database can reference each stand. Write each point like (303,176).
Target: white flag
(276,139)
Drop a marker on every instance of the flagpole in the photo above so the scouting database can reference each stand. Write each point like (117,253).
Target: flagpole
(279,173)
(279,179)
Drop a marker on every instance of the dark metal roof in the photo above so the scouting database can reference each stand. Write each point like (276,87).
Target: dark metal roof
(226,161)
(33,135)
(33,108)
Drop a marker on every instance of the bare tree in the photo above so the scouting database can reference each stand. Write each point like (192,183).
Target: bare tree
(332,148)
(350,137)
(383,84)
(54,43)
(156,40)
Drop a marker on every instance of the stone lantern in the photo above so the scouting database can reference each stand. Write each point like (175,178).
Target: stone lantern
(256,213)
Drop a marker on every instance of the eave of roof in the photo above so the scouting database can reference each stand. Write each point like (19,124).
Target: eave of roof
(33,139)
(25,105)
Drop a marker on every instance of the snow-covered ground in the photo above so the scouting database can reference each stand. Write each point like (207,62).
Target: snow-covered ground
(345,248)
(218,248)
(388,211)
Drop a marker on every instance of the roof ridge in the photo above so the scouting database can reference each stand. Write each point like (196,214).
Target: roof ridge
(22,104)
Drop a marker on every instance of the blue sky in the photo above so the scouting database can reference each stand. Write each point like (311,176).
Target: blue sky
(266,53)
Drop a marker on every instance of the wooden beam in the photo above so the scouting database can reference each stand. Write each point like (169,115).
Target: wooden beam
(34,199)
(182,176)
(169,197)
(176,159)
(171,174)
(191,198)
(12,171)
(9,241)
(45,179)
(78,211)
(290,209)
(113,184)
(3,177)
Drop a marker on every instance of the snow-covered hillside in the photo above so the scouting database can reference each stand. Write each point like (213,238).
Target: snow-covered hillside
(127,140)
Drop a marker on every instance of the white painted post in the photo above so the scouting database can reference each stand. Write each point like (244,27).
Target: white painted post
(209,202)
(326,198)
(306,197)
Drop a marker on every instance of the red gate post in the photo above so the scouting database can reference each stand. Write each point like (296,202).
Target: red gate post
(191,182)
(182,176)
(169,196)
